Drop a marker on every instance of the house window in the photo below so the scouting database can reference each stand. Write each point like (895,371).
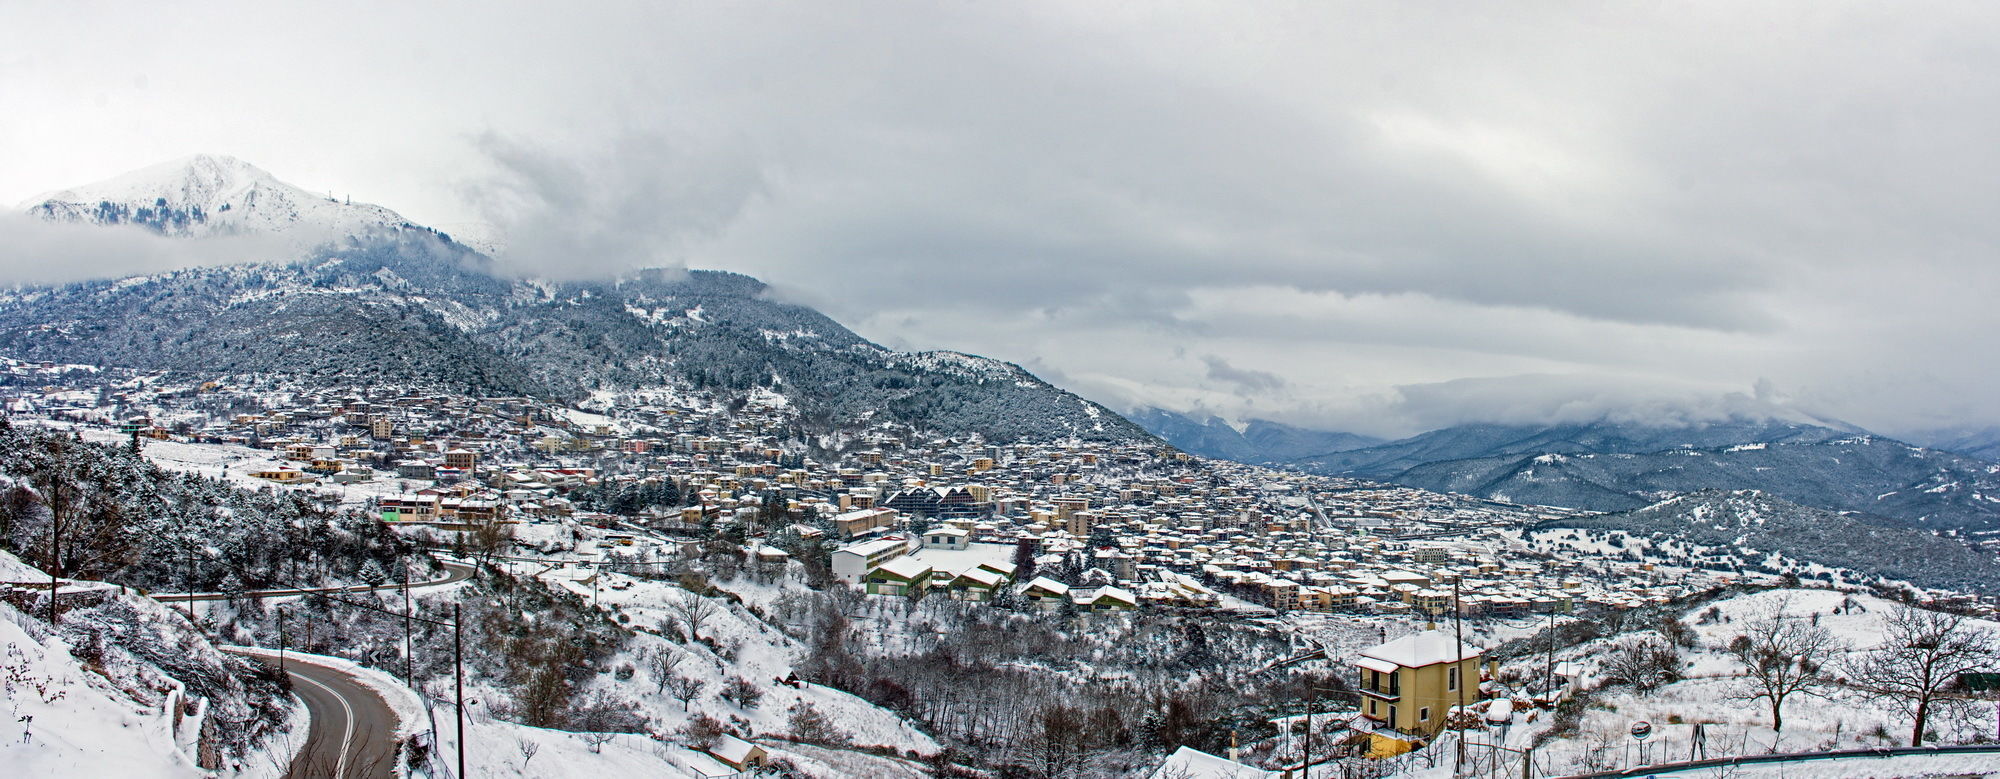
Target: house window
(1451,679)
(1424,714)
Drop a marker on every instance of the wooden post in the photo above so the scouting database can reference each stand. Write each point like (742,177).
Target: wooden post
(458,681)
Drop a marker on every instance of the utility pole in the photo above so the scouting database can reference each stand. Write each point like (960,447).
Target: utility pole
(458,681)
(409,654)
(55,563)
(60,498)
(1458,667)
(190,583)
(1549,673)
(1312,702)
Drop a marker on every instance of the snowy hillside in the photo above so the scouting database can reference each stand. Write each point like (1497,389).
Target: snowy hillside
(123,687)
(1749,530)
(1704,702)
(209,194)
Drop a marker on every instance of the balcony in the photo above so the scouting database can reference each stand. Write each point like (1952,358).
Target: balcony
(1390,694)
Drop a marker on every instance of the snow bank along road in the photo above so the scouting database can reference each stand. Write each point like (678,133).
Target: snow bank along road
(1984,756)
(454,573)
(353,730)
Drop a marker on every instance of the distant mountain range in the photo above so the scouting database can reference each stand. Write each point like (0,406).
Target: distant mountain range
(389,302)
(1258,441)
(1983,443)
(1606,466)
(1746,525)
(1472,441)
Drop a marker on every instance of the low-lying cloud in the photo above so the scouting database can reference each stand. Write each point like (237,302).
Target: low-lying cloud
(37,252)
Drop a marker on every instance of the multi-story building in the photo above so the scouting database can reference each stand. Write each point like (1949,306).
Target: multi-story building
(1410,685)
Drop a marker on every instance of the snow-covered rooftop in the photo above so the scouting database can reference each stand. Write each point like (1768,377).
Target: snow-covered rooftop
(1420,649)
(1191,763)
(904,567)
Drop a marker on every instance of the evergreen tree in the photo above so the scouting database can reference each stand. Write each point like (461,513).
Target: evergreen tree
(1024,559)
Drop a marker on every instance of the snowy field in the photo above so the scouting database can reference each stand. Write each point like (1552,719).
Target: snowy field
(234,464)
(1713,695)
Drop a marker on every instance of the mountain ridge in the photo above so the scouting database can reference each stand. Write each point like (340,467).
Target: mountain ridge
(400,303)
(1736,520)
(1258,441)
(1612,467)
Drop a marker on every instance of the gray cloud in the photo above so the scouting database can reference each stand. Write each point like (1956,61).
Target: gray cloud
(1248,382)
(639,204)
(1406,214)
(1531,399)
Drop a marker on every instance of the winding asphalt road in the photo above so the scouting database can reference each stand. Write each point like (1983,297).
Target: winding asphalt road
(353,733)
(454,573)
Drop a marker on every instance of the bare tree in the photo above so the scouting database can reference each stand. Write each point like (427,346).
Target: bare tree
(692,610)
(528,750)
(701,731)
(810,725)
(1644,663)
(742,692)
(596,739)
(88,534)
(1921,656)
(1784,655)
(685,689)
(661,664)
(1058,744)
(488,539)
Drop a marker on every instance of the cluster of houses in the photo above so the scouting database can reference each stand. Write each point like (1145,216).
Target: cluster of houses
(1127,523)
(886,566)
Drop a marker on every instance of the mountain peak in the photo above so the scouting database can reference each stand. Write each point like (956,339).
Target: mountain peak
(190,180)
(211,194)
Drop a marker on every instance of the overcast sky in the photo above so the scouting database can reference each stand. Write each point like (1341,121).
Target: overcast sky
(1378,217)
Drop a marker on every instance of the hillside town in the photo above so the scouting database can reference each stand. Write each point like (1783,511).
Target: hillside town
(624,482)
(1102,526)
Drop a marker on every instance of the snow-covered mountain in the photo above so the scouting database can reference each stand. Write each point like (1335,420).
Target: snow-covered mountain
(1747,526)
(1980,442)
(387,301)
(1607,466)
(209,194)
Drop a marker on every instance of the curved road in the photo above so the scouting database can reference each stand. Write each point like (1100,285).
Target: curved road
(454,573)
(353,732)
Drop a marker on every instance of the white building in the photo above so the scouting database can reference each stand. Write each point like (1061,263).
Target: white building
(853,562)
(950,538)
